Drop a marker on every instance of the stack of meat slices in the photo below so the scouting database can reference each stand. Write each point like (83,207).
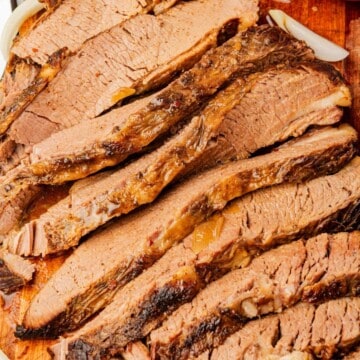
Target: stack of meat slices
(227,192)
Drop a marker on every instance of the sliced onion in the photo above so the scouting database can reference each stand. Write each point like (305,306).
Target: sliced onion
(324,49)
(25,10)
(3,356)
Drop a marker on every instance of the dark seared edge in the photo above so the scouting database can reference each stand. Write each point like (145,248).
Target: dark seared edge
(267,281)
(344,220)
(46,73)
(238,182)
(103,291)
(240,56)
(9,282)
(315,331)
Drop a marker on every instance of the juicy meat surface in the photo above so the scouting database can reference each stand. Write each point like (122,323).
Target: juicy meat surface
(140,306)
(78,21)
(113,65)
(115,136)
(278,119)
(319,331)
(126,248)
(226,61)
(27,82)
(225,117)
(273,281)
(15,272)
(278,214)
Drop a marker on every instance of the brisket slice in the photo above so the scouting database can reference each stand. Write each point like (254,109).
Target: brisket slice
(261,223)
(321,331)
(22,84)
(15,272)
(138,307)
(44,42)
(78,22)
(113,65)
(212,136)
(353,69)
(15,197)
(108,144)
(109,259)
(17,191)
(274,281)
(147,300)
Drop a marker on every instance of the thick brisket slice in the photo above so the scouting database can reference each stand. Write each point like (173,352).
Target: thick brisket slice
(113,65)
(144,302)
(147,300)
(275,215)
(14,272)
(23,92)
(275,280)
(78,22)
(106,145)
(212,136)
(126,248)
(320,331)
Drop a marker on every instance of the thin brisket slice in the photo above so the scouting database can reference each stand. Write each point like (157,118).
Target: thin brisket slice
(158,114)
(142,304)
(78,21)
(215,135)
(126,248)
(23,90)
(113,137)
(37,48)
(113,65)
(322,331)
(276,280)
(14,272)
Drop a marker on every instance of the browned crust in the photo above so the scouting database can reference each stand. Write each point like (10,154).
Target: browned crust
(301,168)
(215,69)
(46,73)
(9,282)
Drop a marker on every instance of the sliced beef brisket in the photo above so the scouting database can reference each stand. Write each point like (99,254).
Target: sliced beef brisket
(144,302)
(262,226)
(22,85)
(78,22)
(126,248)
(113,65)
(275,280)
(211,137)
(14,272)
(320,152)
(192,88)
(108,144)
(322,331)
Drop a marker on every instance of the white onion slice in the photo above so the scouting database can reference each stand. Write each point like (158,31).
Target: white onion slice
(25,10)
(3,356)
(323,48)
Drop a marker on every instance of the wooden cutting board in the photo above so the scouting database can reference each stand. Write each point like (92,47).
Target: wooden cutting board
(329,18)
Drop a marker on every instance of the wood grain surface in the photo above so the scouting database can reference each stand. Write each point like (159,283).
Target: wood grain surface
(329,18)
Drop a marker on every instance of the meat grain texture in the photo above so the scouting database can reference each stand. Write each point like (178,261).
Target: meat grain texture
(123,259)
